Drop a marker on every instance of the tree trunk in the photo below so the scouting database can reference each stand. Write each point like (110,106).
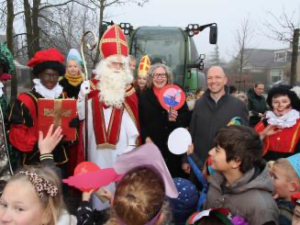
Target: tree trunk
(10,25)
(10,44)
(100,31)
(35,25)
(241,68)
(29,32)
(293,77)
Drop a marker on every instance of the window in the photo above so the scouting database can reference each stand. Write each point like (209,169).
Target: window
(165,44)
(281,56)
(276,75)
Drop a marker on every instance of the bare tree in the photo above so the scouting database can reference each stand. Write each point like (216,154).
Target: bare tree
(102,5)
(215,56)
(243,37)
(286,30)
(10,44)
(32,15)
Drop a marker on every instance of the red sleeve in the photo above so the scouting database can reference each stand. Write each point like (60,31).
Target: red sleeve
(22,137)
(23,134)
(259,128)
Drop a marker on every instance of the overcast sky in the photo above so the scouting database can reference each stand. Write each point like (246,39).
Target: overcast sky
(228,14)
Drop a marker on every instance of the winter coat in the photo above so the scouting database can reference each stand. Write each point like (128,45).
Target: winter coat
(256,104)
(286,211)
(209,117)
(69,89)
(156,125)
(249,197)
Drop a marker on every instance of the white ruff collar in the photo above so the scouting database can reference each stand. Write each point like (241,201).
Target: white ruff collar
(287,120)
(45,92)
(1,89)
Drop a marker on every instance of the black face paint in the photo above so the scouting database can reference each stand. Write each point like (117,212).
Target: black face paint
(288,106)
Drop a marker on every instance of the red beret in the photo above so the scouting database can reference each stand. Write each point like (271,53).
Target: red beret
(50,54)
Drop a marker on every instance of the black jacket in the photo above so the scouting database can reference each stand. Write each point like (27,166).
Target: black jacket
(256,104)
(70,90)
(156,125)
(209,117)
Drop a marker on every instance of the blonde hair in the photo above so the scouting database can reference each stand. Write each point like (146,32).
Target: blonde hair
(53,206)
(152,70)
(139,197)
(288,170)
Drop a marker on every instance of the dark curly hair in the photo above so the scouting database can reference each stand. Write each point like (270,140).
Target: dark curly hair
(283,90)
(54,65)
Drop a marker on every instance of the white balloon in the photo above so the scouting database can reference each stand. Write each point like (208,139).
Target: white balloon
(179,141)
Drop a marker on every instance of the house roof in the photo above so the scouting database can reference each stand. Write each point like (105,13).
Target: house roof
(261,58)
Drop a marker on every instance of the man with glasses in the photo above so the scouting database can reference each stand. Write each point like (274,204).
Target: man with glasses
(112,106)
(46,66)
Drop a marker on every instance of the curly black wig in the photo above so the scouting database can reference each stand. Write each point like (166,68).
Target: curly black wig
(54,65)
(283,90)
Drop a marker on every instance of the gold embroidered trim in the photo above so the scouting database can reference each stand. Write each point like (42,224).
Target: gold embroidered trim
(103,124)
(106,145)
(130,91)
(93,86)
(116,40)
(294,138)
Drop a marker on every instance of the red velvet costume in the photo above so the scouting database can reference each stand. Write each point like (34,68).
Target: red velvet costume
(282,144)
(23,118)
(23,134)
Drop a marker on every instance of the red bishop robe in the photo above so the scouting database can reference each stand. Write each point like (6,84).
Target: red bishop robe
(109,138)
(111,131)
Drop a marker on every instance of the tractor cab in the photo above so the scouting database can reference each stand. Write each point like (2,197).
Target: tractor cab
(174,47)
(162,44)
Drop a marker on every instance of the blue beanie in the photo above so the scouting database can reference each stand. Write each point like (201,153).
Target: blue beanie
(74,54)
(186,202)
(294,160)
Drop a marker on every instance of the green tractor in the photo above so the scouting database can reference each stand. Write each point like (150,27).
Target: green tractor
(173,46)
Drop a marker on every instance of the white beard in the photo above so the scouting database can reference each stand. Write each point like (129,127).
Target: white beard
(112,84)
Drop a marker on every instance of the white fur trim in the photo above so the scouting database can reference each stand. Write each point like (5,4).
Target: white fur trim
(45,92)
(285,121)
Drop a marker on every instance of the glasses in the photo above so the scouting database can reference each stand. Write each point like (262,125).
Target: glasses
(50,77)
(161,75)
(117,65)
